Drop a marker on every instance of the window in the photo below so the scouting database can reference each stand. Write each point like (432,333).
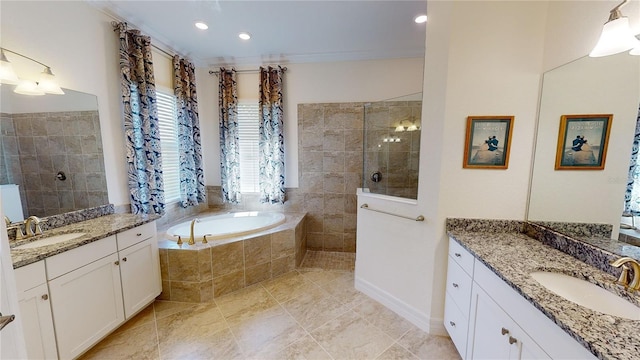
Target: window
(167,119)
(248,134)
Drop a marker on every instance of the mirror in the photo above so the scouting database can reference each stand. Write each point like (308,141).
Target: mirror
(51,148)
(607,85)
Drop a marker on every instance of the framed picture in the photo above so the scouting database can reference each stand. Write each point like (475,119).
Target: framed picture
(582,142)
(488,142)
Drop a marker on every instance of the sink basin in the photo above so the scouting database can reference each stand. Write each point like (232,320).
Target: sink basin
(50,240)
(587,294)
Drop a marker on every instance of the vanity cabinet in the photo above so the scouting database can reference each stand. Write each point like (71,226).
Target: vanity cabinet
(35,311)
(497,322)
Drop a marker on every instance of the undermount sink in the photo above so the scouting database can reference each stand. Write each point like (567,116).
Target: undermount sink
(587,294)
(50,240)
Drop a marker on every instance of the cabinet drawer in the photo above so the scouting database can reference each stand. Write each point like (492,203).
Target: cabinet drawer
(135,235)
(456,324)
(461,256)
(459,286)
(70,260)
(30,276)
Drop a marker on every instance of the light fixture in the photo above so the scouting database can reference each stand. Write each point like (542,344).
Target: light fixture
(202,26)
(244,36)
(412,127)
(616,35)
(46,83)
(421,19)
(399,128)
(7,75)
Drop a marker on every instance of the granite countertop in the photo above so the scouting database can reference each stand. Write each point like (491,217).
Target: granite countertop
(94,229)
(512,256)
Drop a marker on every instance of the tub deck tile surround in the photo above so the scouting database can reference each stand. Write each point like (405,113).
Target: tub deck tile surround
(201,272)
(499,245)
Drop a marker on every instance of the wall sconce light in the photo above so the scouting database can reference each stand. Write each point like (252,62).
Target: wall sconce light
(616,35)
(412,127)
(45,85)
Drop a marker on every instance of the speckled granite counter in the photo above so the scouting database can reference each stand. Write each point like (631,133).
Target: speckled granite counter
(512,256)
(94,229)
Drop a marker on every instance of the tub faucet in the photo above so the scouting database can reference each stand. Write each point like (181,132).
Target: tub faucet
(624,276)
(192,241)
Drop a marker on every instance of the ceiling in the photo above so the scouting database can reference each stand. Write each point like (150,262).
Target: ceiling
(282,31)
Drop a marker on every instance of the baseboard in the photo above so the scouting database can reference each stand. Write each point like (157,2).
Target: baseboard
(413,315)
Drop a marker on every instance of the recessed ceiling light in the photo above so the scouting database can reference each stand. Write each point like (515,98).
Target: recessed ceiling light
(202,26)
(244,36)
(420,19)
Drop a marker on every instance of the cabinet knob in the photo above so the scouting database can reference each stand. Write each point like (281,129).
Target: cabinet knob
(452,323)
(117,262)
(504,331)
(457,254)
(512,340)
(45,297)
(454,285)
(124,259)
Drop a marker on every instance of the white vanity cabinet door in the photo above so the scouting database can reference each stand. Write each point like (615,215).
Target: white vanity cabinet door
(140,274)
(35,311)
(494,335)
(87,305)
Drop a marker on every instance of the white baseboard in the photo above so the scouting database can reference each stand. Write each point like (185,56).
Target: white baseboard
(413,315)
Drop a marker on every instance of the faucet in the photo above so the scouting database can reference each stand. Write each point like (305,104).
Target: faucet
(7,221)
(29,229)
(192,241)
(624,276)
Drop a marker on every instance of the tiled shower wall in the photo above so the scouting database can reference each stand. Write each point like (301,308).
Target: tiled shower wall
(37,146)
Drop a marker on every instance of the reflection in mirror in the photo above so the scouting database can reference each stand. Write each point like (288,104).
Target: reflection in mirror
(51,159)
(392,146)
(607,85)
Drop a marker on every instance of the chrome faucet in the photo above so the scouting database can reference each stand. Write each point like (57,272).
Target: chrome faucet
(28,228)
(624,276)
(192,241)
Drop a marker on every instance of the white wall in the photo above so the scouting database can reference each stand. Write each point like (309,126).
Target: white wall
(354,81)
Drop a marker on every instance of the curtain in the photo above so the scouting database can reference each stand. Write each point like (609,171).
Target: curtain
(192,189)
(229,142)
(144,159)
(632,195)
(271,143)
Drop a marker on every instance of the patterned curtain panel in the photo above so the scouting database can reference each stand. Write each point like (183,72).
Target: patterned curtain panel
(271,143)
(192,189)
(229,141)
(632,195)
(144,160)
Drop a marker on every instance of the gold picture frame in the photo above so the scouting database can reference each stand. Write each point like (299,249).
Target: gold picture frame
(488,142)
(583,141)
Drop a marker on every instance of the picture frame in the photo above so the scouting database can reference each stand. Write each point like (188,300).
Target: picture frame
(583,141)
(488,142)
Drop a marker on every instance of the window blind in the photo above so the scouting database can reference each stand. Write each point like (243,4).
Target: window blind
(249,134)
(168,128)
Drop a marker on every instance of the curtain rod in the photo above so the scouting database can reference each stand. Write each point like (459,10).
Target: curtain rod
(217,72)
(170,55)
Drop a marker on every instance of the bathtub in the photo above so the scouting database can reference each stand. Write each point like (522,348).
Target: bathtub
(228,225)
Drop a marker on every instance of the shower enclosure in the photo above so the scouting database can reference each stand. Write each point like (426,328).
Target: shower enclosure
(392,146)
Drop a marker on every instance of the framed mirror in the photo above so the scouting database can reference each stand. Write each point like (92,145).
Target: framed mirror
(51,158)
(606,85)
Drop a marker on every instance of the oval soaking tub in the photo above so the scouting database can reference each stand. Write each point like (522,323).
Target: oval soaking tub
(226,225)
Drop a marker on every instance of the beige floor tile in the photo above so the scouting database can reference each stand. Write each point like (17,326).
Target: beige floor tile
(288,286)
(144,317)
(396,352)
(220,345)
(382,318)
(166,308)
(426,346)
(305,349)
(267,333)
(314,308)
(343,289)
(245,304)
(322,277)
(351,337)
(140,342)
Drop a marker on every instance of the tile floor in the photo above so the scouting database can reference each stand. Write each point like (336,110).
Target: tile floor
(311,313)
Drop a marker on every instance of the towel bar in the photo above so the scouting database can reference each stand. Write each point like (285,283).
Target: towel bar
(418,218)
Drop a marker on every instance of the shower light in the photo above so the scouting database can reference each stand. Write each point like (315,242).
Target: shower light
(244,36)
(202,26)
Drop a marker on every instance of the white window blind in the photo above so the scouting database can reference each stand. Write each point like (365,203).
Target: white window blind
(248,133)
(167,119)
